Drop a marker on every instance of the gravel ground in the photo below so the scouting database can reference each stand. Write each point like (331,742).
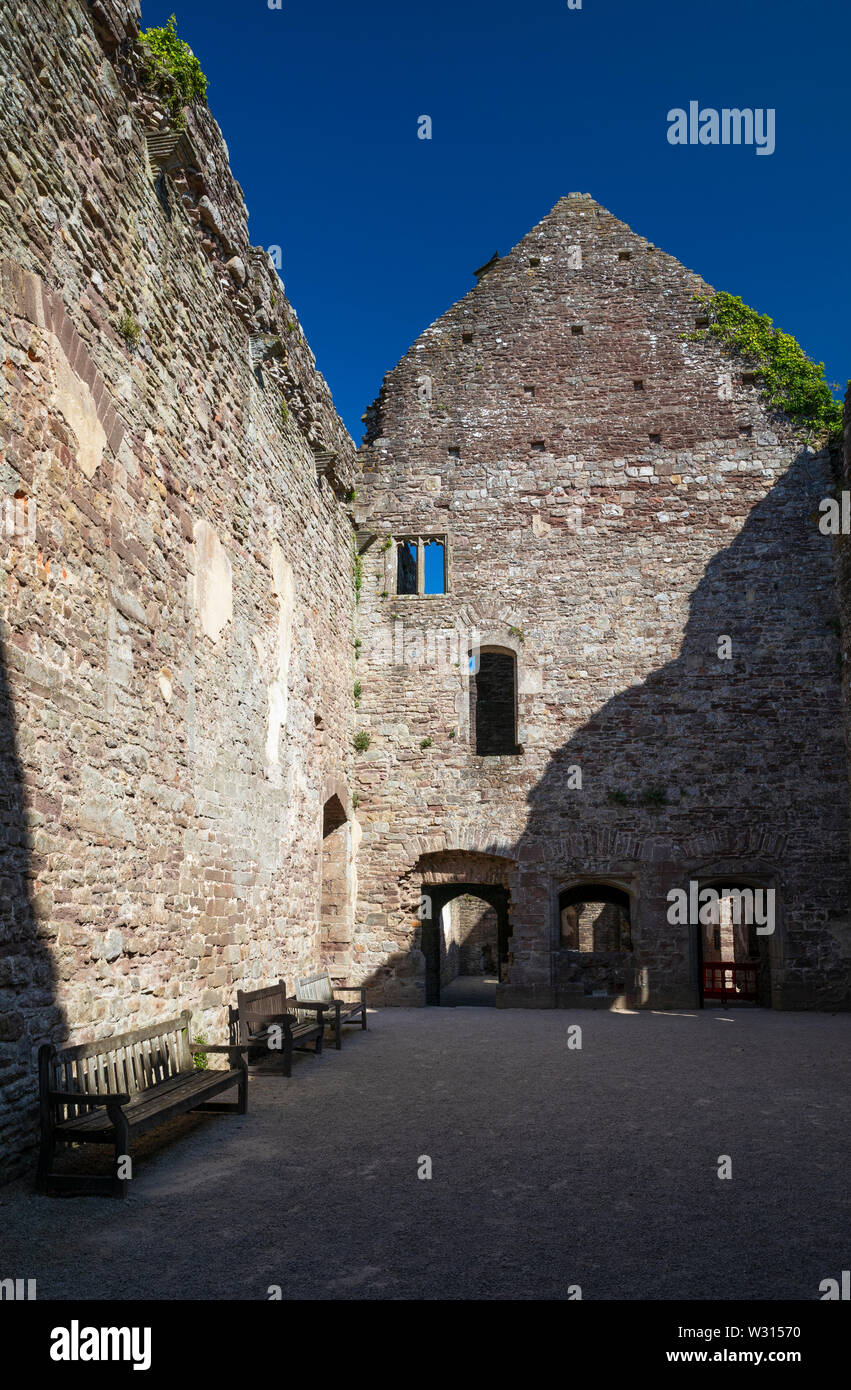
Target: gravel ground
(551,1167)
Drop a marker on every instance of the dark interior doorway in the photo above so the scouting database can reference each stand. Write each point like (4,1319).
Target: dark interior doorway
(479,943)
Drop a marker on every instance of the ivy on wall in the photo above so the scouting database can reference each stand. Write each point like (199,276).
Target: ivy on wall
(788,379)
(172,68)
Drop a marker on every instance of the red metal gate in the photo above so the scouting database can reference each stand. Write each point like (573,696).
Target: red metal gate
(724,979)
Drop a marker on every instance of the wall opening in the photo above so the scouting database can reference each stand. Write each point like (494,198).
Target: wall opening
(465,941)
(734,959)
(595,940)
(335,927)
(493,703)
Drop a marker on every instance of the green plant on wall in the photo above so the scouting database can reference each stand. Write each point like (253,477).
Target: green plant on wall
(362,741)
(357,690)
(172,68)
(129,329)
(358,577)
(789,380)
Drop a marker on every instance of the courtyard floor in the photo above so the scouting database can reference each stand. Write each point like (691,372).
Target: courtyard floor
(550,1167)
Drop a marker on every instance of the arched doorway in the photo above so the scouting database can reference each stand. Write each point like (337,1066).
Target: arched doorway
(465,940)
(335,918)
(594,955)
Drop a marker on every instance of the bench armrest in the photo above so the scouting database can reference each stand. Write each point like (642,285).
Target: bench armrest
(348,988)
(310,1004)
(218,1047)
(263,1020)
(79,1098)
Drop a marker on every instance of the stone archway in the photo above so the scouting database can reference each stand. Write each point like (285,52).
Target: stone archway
(335,910)
(447,877)
(442,897)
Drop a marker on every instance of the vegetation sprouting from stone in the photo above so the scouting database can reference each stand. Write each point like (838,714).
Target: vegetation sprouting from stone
(358,577)
(362,741)
(172,68)
(788,379)
(129,329)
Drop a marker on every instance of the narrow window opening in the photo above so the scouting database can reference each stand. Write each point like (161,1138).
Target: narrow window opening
(434,568)
(655,439)
(534,260)
(577,330)
(493,704)
(406,574)
(539,446)
(749,378)
(466,337)
(702,322)
(638,385)
(746,430)
(454,453)
(624,255)
(528,390)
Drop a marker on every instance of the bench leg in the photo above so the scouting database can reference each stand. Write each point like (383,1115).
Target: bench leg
(288,1056)
(363,1017)
(242,1102)
(45,1162)
(319,1043)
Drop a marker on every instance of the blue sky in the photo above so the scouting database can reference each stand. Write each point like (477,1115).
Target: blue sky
(381,231)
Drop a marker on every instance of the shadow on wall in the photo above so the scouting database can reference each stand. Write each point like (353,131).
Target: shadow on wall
(29,1013)
(727,760)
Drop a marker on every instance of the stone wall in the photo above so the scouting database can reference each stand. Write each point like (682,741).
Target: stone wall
(623,516)
(177,560)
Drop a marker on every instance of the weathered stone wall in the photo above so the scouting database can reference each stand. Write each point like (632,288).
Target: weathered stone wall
(616,501)
(177,622)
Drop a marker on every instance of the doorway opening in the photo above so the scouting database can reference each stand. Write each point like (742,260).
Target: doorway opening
(733,955)
(465,941)
(334,917)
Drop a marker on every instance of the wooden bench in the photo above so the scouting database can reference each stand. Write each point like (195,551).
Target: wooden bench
(318,989)
(108,1091)
(259,1011)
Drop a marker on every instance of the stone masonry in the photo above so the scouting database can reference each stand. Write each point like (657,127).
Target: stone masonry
(623,519)
(177,629)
